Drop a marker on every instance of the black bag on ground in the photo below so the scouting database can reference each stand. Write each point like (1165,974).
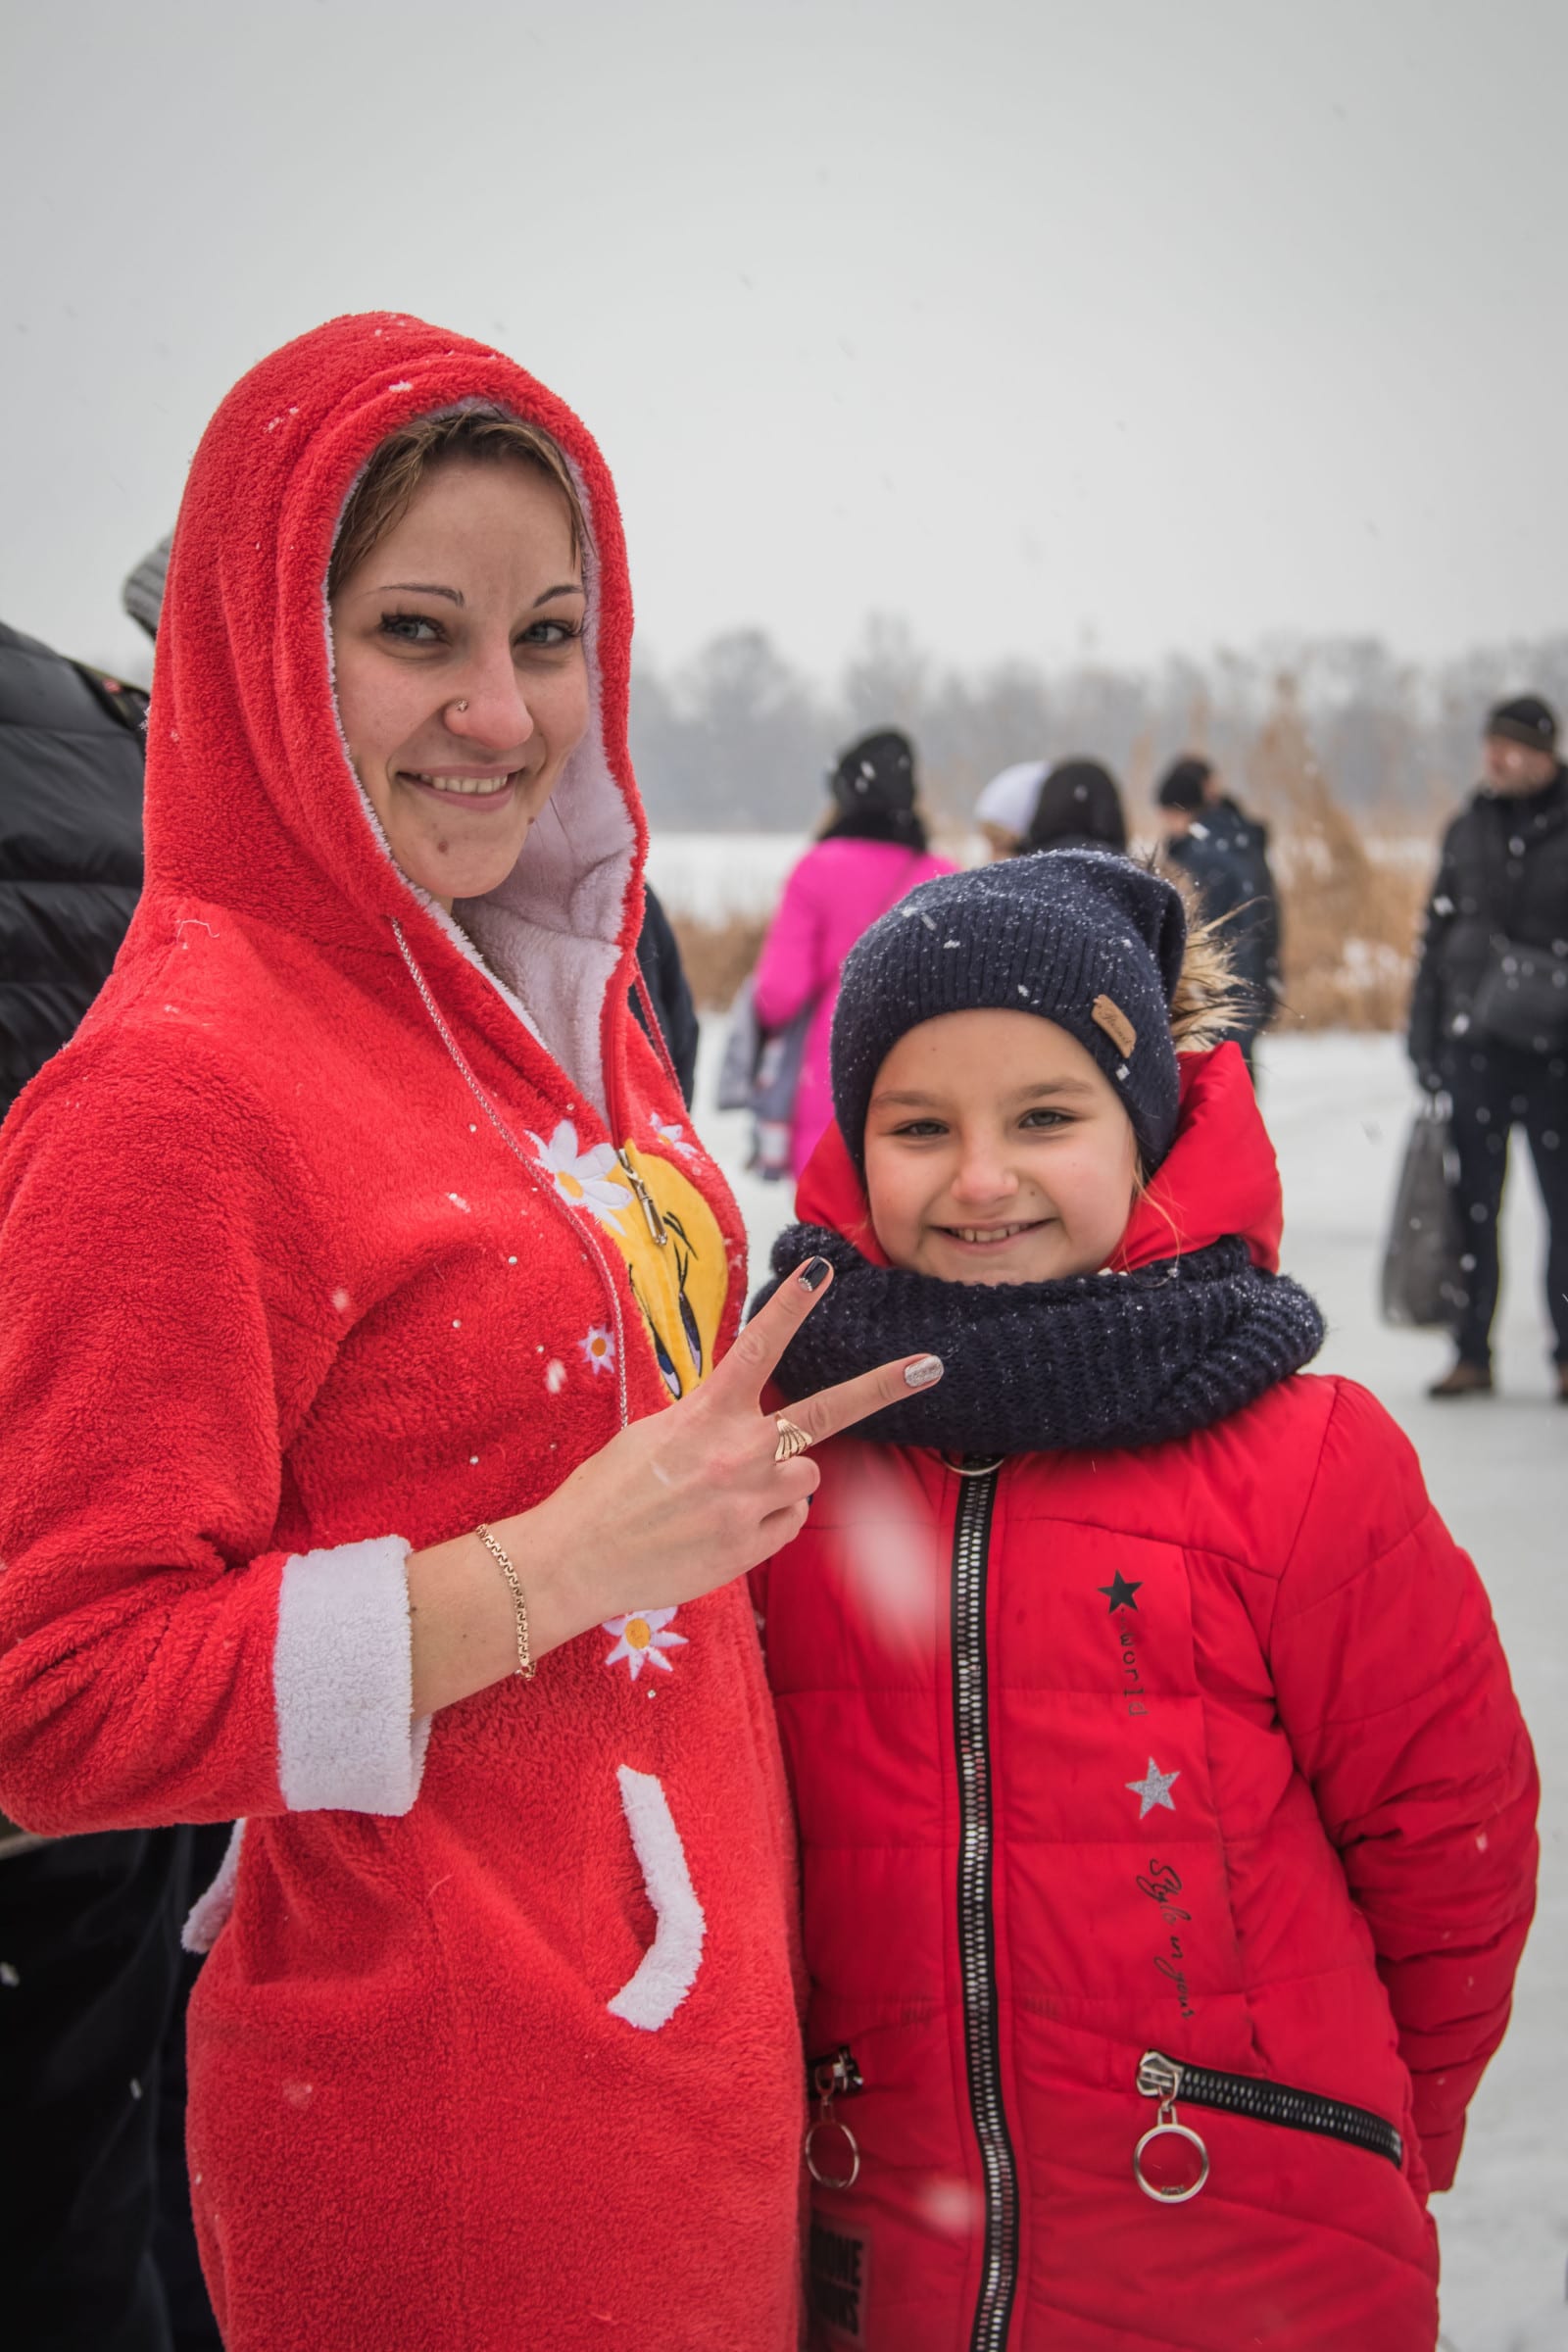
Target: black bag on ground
(1423,1278)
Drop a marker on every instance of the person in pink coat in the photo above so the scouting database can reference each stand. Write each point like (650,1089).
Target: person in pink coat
(871,851)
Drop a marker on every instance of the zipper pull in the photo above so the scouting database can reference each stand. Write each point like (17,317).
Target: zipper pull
(1161,2078)
(834,2077)
(649,1206)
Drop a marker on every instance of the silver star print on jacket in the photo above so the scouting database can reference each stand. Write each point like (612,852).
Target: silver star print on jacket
(1155,1790)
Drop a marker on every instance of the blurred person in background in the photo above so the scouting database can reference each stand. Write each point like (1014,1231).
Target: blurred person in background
(1002,812)
(96,2248)
(1078,807)
(1489,1015)
(871,850)
(1224,855)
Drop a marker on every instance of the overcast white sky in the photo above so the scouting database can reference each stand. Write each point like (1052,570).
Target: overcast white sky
(1040,322)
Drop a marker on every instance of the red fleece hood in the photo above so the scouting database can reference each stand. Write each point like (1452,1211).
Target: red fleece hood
(1220,1177)
(251,802)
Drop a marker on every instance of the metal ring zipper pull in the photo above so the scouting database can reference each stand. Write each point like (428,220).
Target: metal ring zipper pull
(1160,2078)
(1168,2128)
(828,2075)
(972,1466)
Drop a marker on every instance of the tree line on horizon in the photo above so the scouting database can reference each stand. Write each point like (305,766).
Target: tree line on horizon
(740,740)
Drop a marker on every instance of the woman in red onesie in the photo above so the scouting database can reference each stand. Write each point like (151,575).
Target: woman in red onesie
(358,1274)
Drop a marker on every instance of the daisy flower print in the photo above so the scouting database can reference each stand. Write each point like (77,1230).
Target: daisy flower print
(582,1178)
(640,1639)
(599,1349)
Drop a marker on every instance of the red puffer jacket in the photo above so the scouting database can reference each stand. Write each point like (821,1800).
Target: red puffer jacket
(1207,1750)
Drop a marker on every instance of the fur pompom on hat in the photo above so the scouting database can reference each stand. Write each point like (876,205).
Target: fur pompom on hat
(1089,940)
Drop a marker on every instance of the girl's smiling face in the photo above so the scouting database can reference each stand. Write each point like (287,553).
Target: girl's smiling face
(461,684)
(997,1150)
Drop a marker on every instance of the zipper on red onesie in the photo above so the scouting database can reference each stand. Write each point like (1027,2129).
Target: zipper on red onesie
(971,1727)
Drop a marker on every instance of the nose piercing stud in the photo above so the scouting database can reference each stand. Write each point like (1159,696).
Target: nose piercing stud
(460,705)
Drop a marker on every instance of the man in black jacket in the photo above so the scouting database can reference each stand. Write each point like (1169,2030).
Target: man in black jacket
(70,762)
(1489,1017)
(1224,855)
(89,1926)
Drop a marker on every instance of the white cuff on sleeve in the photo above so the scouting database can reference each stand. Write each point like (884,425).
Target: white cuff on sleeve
(343,1676)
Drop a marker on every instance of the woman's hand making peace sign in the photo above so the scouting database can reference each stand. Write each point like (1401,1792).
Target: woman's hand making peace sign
(672,1507)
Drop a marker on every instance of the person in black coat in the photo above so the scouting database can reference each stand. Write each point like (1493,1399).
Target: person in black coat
(664,993)
(89,1926)
(1489,1015)
(70,762)
(1224,855)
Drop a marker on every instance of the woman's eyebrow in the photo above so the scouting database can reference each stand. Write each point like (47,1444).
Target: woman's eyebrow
(566,588)
(421,588)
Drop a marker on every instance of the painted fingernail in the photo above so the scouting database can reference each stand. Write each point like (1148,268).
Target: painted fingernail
(922,1372)
(814,1273)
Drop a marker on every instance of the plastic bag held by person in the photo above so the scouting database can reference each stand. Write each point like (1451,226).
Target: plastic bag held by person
(1423,1276)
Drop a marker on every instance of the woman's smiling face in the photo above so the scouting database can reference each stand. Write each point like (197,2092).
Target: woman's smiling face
(997,1150)
(460,675)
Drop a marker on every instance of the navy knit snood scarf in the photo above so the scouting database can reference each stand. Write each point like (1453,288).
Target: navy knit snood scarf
(1100,1360)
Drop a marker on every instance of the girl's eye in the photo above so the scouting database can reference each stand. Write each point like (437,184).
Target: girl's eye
(411,628)
(1045,1119)
(920,1127)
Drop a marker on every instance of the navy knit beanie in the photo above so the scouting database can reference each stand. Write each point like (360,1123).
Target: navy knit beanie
(1089,940)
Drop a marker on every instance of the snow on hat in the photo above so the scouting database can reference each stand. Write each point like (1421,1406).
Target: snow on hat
(1084,939)
(1524,719)
(1009,799)
(143,591)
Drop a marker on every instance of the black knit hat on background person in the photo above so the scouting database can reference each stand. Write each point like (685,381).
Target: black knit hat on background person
(1084,939)
(1523,719)
(1182,785)
(872,788)
(875,774)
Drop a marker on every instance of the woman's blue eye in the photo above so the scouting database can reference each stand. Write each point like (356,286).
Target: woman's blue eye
(550,633)
(405,627)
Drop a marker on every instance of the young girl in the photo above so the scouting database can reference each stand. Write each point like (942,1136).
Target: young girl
(1166,1813)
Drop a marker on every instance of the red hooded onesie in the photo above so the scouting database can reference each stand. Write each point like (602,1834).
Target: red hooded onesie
(317,1244)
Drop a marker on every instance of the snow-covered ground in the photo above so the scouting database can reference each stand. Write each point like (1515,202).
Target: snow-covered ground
(1339,1107)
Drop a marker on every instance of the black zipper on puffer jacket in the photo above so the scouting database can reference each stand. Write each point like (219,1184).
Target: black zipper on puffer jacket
(1168,2080)
(971,1545)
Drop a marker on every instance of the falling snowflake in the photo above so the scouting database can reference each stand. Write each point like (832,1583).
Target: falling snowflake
(582,1178)
(554,1376)
(640,1639)
(599,1349)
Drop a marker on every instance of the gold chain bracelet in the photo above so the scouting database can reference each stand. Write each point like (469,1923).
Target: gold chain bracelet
(525,1665)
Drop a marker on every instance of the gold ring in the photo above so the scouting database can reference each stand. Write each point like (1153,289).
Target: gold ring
(791,1441)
